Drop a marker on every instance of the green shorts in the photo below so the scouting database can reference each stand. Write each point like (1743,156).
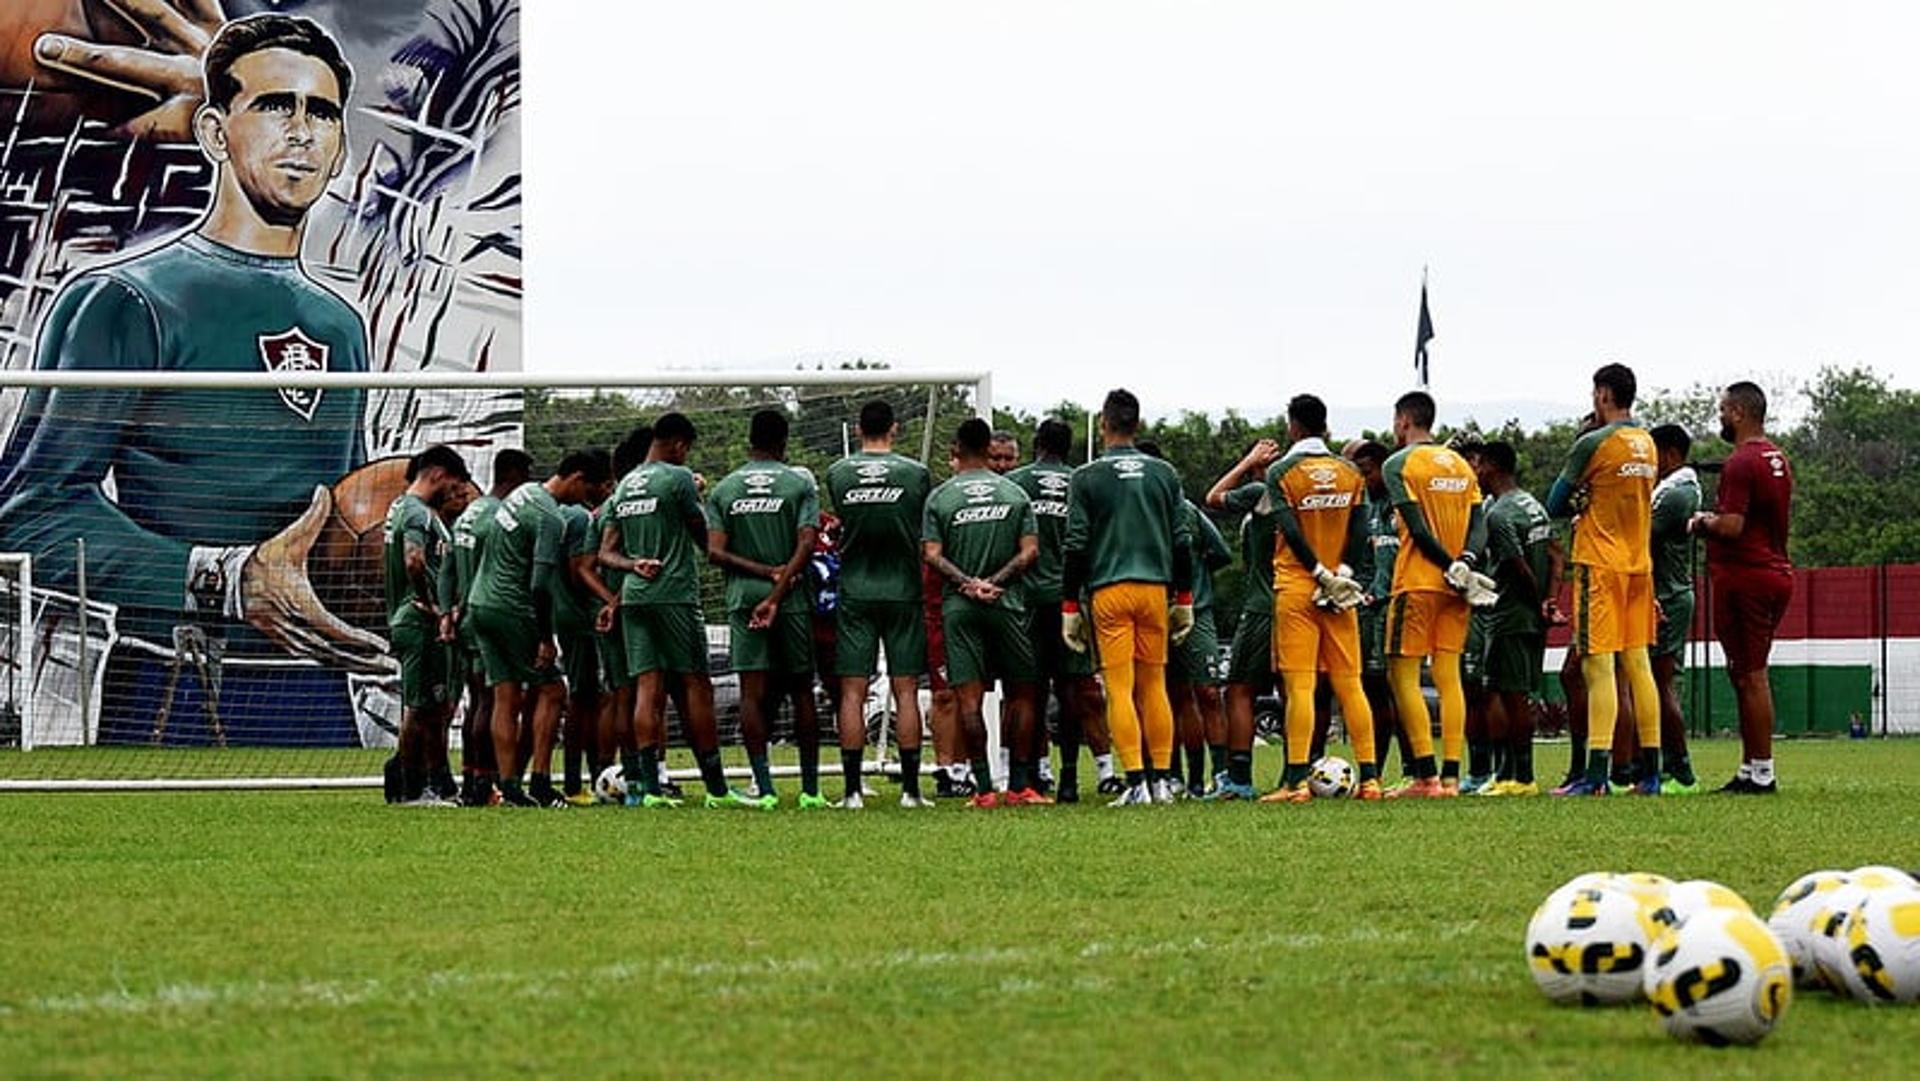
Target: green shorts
(1196,660)
(785,647)
(613,657)
(987,642)
(1473,659)
(1252,661)
(509,645)
(1676,622)
(1373,639)
(426,667)
(1051,657)
(664,638)
(864,627)
(1515,661)
(580,661)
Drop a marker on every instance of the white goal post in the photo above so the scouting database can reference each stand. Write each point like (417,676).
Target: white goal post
(477,413)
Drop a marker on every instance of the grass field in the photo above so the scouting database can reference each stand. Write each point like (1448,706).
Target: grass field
(326,935)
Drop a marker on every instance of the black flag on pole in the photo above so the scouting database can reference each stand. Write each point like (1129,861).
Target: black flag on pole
(1422,336)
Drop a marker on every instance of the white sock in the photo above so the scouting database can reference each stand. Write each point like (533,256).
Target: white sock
(1762,771)
(1103,765)
(1046,769)
(1745,772)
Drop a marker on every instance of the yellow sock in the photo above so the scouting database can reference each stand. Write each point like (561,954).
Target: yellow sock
(1646,697)
(1603,701)
(1156,712)
(1404,674)
(1453,706)
(1356,711)
(1299,715)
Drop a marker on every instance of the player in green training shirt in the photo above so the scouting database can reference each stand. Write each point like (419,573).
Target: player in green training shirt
(1374,569)
(1047,481)
(1525,560)
(513,605)
(1676,499)
(762,520)
(583,595)
(416,548)
(1242,490)
(511,468)
(880,497)
(656,536)
(979,533)
(1128,544)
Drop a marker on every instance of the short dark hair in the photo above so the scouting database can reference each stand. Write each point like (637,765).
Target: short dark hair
(1619,381)
(1500,455)
(632,450)
(674,426)
(512,464)
(1416,406)
(593,464)
(1750,399)
(1121,412)
(973,437)
(767,431)
(1672,437)
(1309,412)
(876,418)
(1054,437)
(441,457)
(1002,435)
(1370,451)
(258,33)
(1150,448)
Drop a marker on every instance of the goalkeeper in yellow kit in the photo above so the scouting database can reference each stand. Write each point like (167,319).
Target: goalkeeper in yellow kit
(1435,580)
(1319,504)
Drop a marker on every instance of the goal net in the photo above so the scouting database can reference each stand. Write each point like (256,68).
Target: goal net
(129,661)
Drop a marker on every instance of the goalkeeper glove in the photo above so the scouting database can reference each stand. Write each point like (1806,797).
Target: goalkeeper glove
(1476,587)
(1073,626)
(1337,589)
(1180,618)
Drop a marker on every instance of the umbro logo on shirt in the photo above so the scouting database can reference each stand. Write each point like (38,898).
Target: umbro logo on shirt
(872,472)
(1129,468)
(977,490)
(1054,483)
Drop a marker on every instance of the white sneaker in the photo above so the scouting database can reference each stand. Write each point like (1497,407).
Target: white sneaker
(852,802)
(914,803)
(1134,796)
(430,798)
(1163,791)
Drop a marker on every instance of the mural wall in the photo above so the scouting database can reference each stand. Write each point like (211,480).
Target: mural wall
(244,185)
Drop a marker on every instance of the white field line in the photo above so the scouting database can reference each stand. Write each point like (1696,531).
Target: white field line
(720,976)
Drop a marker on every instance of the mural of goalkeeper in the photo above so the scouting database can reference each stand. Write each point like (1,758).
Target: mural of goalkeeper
(200,508)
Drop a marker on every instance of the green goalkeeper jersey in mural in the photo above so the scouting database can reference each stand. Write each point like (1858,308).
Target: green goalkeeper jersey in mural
(188,467)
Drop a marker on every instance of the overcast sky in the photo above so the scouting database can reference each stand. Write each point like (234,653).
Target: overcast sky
(1220,204)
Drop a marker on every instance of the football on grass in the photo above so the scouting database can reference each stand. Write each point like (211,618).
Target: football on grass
(1331,778)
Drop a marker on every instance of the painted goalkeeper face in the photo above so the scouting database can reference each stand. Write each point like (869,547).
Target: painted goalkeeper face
(275,117)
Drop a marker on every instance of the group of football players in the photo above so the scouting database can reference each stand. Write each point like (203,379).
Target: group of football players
(568,611)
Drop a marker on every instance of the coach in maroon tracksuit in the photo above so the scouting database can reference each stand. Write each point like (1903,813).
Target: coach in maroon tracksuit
(1752,577)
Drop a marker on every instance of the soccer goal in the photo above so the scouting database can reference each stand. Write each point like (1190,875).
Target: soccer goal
(192,582)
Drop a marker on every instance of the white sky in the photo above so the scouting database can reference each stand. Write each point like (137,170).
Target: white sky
(1224,203)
